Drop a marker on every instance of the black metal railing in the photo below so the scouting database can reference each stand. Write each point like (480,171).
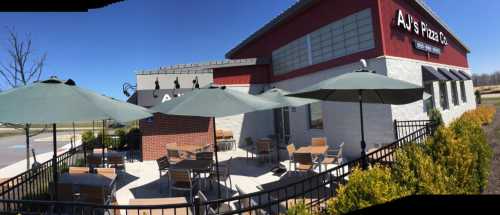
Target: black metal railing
(403,128)
(313,190)
(34,183)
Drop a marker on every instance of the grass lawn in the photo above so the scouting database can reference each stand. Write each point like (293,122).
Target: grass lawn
(491,101)
(9,133)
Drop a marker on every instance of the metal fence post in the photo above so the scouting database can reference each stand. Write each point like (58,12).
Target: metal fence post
(396,129)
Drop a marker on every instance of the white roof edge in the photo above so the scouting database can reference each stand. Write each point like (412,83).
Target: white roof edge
(205,67)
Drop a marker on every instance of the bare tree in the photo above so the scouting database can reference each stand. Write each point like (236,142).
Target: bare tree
(22,68)
(486,79)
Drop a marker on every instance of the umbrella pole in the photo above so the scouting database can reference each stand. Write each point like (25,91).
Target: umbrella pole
(54,160)
(282,136)
(102,153)
(74,136)
(216,158)
(363,144)
(27,132)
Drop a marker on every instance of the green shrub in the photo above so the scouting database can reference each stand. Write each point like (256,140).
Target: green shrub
(133,138)
(88,139)
(108,143)
(456,158)
(366,188)
(122,133)
(478,96)
(299,209)
(79,162)
(417,173)
(473,135)
(435,115)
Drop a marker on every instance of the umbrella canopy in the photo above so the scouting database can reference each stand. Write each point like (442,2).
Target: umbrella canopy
(363,87)
(53,101)
(376,89)
(279,96)
(214,102)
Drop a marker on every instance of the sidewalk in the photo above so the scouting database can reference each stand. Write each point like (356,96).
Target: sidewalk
(20,166)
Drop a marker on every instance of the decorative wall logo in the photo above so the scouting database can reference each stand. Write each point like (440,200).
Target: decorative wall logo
(410,24)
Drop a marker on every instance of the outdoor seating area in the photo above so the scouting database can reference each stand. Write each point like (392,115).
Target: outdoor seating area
(187,178)
(219,173)
(178,177)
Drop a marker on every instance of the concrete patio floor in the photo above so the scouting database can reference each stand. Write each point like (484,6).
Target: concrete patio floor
(142,179)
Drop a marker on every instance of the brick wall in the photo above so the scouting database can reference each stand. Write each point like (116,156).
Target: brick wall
(168,129)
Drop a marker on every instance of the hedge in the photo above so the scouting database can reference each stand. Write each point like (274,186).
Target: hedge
(456,160)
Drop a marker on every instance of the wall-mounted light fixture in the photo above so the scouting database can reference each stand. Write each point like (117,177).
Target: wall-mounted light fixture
(364,66)
(157,88)
(126,87)
(196,85)
(176,83)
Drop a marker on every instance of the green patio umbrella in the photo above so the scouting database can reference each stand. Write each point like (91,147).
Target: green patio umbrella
(214,102)
(54,101)
(279,96)
(363,87)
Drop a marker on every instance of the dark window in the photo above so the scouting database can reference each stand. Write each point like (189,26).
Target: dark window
(429,103)
(454,93)
(443,96)
(462,91)
(315,113)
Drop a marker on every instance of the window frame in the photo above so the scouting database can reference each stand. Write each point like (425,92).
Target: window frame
(431,92)
(463,93)
(444,101)
(352,34)
(309,117)
(454,93)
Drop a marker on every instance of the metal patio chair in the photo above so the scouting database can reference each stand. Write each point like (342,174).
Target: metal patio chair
(163,165)
(291,149)
(249,147)
(229,139)
(333,156)
(174,156)
(305,162)
(207,209)
(247,203)
(263,150)
(224,175)
(180,179)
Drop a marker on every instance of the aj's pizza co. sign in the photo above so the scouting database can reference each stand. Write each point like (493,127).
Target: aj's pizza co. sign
(410,24)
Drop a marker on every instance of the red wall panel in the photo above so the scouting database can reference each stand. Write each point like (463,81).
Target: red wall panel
(398,42)
(242,75)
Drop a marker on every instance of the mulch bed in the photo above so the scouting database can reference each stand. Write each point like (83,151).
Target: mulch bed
(491,135)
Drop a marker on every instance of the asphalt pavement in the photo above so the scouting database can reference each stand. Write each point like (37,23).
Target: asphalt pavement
(13,148)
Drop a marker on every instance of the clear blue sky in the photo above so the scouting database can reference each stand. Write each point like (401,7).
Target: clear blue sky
(104,48)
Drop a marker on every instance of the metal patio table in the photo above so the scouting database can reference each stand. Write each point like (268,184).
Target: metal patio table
(314,150)
(87,179)
(90,179)
(193,165)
